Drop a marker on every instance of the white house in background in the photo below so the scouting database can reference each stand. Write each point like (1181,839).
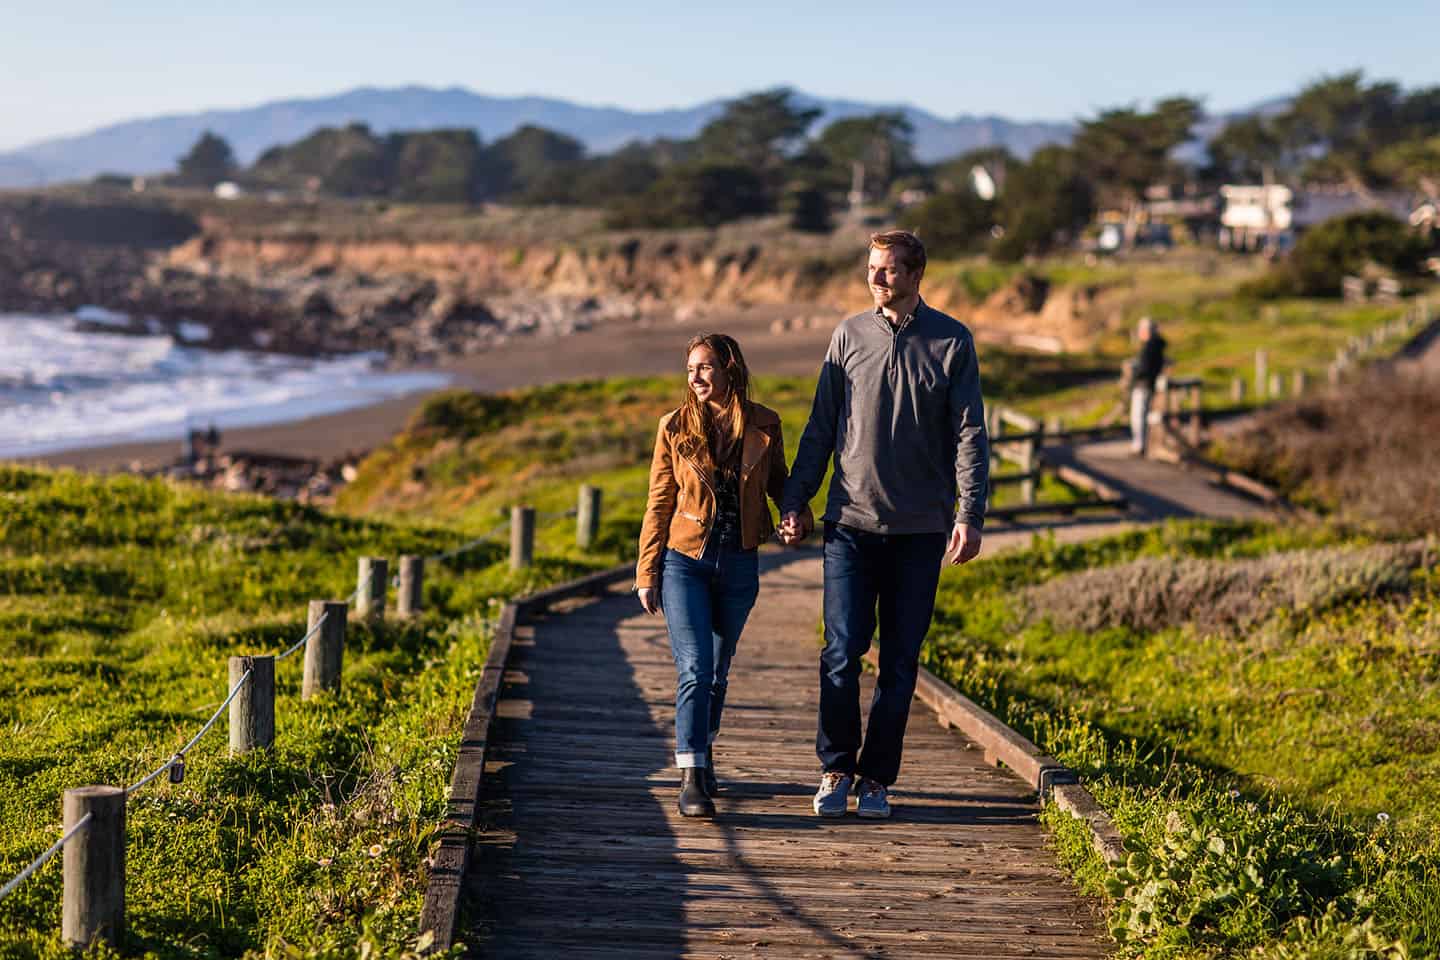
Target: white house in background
(1267,217)
(228,190)
(1253,214)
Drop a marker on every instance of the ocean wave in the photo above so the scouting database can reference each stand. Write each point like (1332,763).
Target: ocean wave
(63,387)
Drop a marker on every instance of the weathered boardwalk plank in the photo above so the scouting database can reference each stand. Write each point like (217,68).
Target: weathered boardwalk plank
(584,855)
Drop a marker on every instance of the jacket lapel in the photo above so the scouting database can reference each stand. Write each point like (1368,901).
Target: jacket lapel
(752,449)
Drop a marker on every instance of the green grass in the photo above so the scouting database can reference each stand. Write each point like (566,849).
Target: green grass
(123,599)
(1301,747)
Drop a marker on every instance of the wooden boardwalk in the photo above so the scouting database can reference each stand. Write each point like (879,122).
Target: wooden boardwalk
(583,855)
(1157,490)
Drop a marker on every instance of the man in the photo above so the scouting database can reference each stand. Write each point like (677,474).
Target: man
(898,409)
(1144,369)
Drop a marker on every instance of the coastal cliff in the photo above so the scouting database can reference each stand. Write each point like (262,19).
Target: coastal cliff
(421,284)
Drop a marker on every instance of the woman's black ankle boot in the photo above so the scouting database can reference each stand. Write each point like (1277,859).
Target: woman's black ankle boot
(712,785)
(694,801)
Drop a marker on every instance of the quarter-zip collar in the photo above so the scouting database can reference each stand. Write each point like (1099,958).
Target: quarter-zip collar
(896,328)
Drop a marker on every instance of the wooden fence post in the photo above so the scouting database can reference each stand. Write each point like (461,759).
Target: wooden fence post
(1029,460)
(93,903)
(325,650)
(522,537)
(1261,377)
(1197,400)
(1301,382)
(252,712)
(370,598)
(997,428)
(1277,386)
(412,585)
(1237,390)
(587,516)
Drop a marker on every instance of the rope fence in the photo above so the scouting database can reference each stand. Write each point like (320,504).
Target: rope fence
(93,905)
(41,860)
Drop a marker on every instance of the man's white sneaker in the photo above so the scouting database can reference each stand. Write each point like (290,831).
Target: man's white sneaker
(833,797)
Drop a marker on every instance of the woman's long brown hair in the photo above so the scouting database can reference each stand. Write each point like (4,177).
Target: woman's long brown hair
(700,437)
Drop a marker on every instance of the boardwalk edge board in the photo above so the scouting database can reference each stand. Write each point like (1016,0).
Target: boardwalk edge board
(451,859)
(1048,777)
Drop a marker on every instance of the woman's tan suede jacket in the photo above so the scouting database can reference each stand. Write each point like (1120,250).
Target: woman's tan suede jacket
(681,510)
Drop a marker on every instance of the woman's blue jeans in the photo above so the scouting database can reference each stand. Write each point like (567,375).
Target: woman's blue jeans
(706,603)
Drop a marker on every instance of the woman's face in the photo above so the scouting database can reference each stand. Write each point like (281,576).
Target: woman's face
(707,377)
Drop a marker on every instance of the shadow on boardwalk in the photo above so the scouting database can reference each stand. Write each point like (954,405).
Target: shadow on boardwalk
(583,854)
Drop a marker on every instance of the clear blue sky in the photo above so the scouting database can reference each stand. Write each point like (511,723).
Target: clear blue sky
(66,67)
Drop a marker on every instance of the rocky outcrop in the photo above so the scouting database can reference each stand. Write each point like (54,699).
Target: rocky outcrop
(1032,313)
(419,296)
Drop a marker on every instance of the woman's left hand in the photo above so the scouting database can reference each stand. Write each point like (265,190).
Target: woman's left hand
(650,599)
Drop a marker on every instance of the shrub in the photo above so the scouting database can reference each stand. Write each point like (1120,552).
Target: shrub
(1154,593)
(1341,246)
(1367,453)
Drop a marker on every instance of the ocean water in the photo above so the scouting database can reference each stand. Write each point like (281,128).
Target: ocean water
(62,387)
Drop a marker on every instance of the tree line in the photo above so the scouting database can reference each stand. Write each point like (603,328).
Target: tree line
(759,156)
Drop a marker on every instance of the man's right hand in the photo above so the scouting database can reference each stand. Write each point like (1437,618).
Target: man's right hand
(650,599)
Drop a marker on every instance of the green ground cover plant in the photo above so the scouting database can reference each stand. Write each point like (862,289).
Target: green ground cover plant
(1264,734)
(122,599)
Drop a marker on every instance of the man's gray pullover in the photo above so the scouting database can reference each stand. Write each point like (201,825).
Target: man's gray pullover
(899,409)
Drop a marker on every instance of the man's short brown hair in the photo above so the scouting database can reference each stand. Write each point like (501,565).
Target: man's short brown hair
(907,246)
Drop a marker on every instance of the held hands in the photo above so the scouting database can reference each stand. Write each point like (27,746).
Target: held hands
(650,599)
(964,544)
(795,527)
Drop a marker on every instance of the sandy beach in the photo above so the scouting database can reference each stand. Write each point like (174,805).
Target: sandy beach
(607,350)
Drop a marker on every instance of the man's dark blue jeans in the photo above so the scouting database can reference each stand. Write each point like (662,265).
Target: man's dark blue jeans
(898,575)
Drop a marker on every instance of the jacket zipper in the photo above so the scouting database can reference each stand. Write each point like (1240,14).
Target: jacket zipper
(705,541)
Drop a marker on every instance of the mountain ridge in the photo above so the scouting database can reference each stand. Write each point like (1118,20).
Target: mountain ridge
(152,144)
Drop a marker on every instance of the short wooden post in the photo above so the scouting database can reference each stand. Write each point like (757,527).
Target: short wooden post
(1335,370)
(1237,390)
(997,429)
(1301,381)
(325,650)
(1261,376)
(522,537)
(1277,386)
(587,516)
(371,580)
(1196,412)
(412,584)
(252,712)
(93,903)
(1028,462)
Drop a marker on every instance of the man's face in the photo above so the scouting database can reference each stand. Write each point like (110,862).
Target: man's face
(890,280)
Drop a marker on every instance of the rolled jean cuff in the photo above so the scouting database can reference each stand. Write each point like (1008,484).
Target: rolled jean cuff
(687,760)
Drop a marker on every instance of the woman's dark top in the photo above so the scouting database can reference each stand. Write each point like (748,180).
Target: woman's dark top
(727,501)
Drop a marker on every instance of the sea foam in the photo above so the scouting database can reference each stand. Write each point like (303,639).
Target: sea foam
(63,387)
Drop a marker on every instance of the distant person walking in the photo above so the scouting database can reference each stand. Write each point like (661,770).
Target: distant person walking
(1145,368)
(898,411)
(716,459)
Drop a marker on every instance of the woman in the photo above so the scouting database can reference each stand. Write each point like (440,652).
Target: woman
(716,458)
